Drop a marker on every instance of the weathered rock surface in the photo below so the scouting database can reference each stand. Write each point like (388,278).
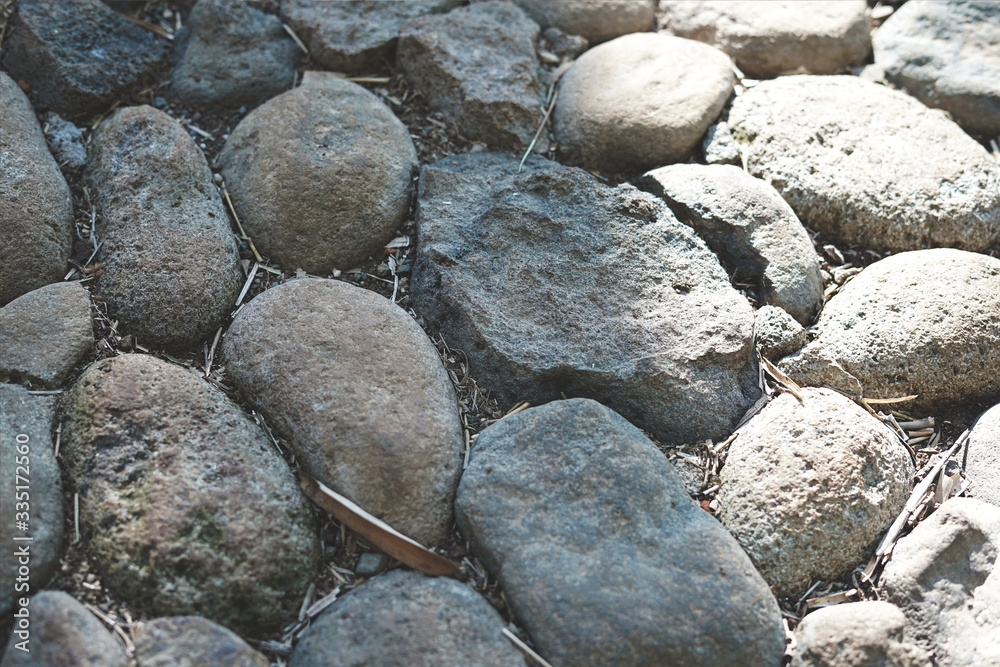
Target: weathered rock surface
(26,424)
(78,57)
(35,207)
(357,36)
(869,165)
(719,145)
(477,65)
(922,322)
(404,619)
(322,360)
(944,576)
(595,541)
(554,284)
(945,54)
(596,20)
(66,141)
(639,101)
(192,641)
(814,366)
(170,269)
(809,486)
(320,175)
(774,38)
(63,633)
(777,333)
(232,54)
(184,503)
(749,226)
(860,634)
(45,333)
(982,460)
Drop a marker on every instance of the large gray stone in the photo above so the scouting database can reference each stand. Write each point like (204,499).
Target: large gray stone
(554,284)
(595,20)
(322,360)
(185,505)
(869,165)
(982,457)
(589,529)
(169,265)
(192,641)
(36,212)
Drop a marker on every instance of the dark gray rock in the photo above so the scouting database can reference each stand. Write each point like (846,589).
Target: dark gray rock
(192,641)
(371,564)
(982,457)
(320,175)
(185,505)
(589,529)
(26,424)
(945,54)
(66,142)
(777,333)
(36,211)
(555,284)
(750,227)
(595,20)
(322,360)
(405,619)
(232,54)
(477,65)
(45,333)
(170,269)
(79,56)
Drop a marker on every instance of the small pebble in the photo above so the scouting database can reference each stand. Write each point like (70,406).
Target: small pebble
(371,564)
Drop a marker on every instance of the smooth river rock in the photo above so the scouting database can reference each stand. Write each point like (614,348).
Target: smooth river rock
(192,641)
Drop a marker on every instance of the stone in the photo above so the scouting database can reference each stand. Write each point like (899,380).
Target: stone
(63,633)
(868,165)
(859,634)
(36,212)
(320,175)
(405,619)
(45,333)
(809,486)
(944,576)
(719,145)
(945,54)
(777,333)
(814,366)
(477,66)
(170,268)
(231,54)
(26,424)
(638,102)
(322,360)
(595,542)
(370,564)
(921,322)
(66,142)
(192,641)
(80,57)
(554,284)
(185,506)
(981,457)
(777,38)
(750,227)
(358,36)
(564,46)
(595,20)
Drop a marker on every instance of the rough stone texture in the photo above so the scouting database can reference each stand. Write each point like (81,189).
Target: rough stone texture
(63,633)
(859,634)
(944,576)
(192,641)
(750,227)
(23,414)
(320,175)
(774,38)
(596,20)
(358,36)
(777,333)
(45,333)
(477,66)
(170,269)
(945,54)
(589,530)
(922,322)
(36,213)
(809,486)
(639,101)
(814,366)
(554,284)
(869,165)
(404,619)
(719,145)
(323,361)
(232,54)
(184,503)
(66,141)
(78,57)
(982,458)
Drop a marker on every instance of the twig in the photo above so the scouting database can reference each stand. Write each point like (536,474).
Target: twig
(295,38)
(525,649)
(545,119)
